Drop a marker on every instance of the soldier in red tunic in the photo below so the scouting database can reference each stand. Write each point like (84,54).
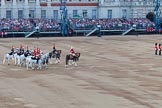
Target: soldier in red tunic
(34,53)
(38,54)
(72,52)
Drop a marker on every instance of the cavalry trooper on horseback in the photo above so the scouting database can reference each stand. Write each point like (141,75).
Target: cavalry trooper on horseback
(27,52)
(12,50)
(74,56)
(55,52)
(21,50)
(36,54)
(72,52)
(54,49)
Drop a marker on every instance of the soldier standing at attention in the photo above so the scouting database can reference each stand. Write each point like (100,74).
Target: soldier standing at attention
(159,49)
(156,48)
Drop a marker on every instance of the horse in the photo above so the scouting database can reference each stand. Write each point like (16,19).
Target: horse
(22,58)
(56,55)
(45,59)
(30,62)
(15,58)
(8,57)
(73,58)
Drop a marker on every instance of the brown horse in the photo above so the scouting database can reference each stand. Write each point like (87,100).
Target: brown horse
(71,57)
(56,55)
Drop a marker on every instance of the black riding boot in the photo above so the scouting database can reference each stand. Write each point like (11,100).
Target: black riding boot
(37,60)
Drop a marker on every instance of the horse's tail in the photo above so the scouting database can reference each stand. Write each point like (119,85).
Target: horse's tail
(67,59)
(78,55)
(4,59)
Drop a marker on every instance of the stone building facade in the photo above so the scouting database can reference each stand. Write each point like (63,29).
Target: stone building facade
(76,8)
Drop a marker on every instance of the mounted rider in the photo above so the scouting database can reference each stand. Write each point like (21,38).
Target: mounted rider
(36,54)
(27,52)
(54,49)
(72,52)
(12,50)
(21,50)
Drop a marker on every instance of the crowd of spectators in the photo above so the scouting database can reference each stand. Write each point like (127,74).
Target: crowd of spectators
(46,25)
(24,25)
(111,24)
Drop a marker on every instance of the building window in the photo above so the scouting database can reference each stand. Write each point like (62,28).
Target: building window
(140,13)
(55,14)
(31,0)
(54,0)
(43,13)
(43,1)
(8,14)
(31,14)
(20,13)
(109,14)
(124,13)
(94,14)
(85,13)
(75,13)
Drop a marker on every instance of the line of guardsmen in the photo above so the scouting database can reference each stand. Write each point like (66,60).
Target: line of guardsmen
(158,49)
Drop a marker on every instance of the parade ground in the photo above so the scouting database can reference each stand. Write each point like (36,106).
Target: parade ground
(112,72)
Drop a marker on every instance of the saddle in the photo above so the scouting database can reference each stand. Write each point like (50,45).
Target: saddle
(19,54)
(71,57)
(35,58)
(10,53)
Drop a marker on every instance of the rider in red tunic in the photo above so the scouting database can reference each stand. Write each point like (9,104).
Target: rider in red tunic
(38,54)
(72,52)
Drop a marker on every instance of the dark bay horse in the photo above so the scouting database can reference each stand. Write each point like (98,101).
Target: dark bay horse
(71,57)
(56,55)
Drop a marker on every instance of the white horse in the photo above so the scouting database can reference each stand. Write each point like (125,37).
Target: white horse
(45,59)
(22,59)
(32,63)
(16,59)
(8,57)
